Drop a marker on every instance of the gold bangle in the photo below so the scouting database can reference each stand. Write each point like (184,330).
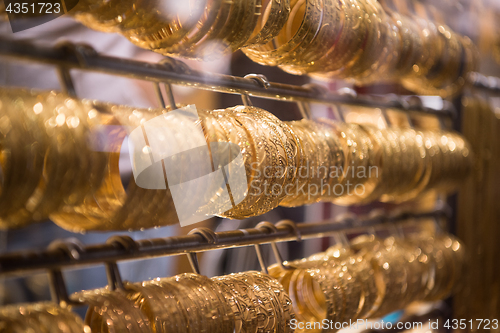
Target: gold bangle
(281,48)
(307,54)
(272,19)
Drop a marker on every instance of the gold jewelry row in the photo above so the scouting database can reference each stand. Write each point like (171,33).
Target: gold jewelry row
(372,277)
(367,278)
(364,41)
(60,158)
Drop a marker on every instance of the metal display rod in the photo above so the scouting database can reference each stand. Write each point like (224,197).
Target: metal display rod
(70,253)
(490,83)
(173,71)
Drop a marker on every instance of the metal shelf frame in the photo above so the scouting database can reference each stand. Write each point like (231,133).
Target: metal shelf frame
(69,253)
(67,56)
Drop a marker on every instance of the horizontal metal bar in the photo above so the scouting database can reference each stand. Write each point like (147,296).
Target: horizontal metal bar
(83,57)
(54,257)
(489,83)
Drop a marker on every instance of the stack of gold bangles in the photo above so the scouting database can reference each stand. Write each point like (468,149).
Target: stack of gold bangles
(243,302)
(363,41)
(60,159)
(40,317)
(367,278)
(203,29)
(359,41)
(371,278)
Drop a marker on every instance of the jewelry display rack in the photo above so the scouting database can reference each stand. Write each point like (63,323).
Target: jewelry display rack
(62,254)
(70,253)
